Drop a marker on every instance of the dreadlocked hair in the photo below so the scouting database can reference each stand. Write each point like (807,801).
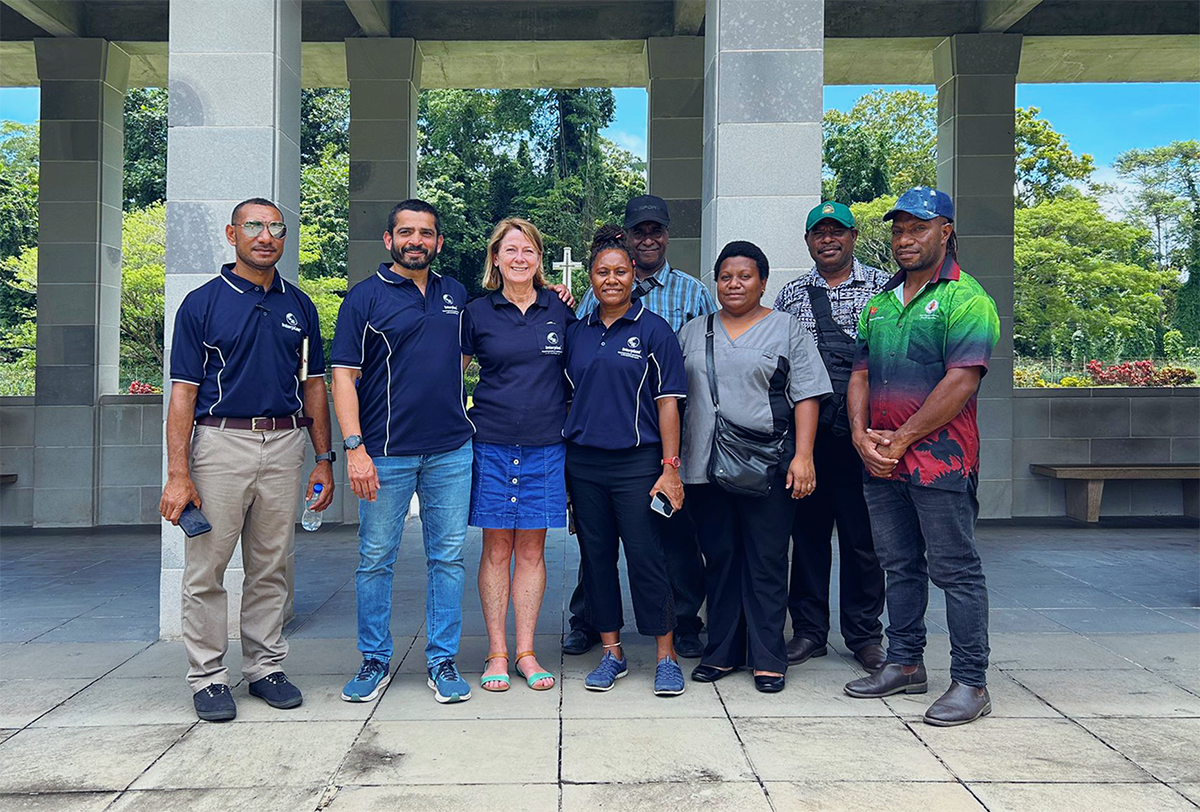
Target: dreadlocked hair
(952,246)
(609,237)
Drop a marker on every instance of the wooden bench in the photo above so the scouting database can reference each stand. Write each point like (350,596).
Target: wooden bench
(1085,484)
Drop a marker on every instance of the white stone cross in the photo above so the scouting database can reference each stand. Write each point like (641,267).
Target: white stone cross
(567,266)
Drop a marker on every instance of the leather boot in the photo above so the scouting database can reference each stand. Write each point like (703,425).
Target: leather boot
(959,705)
(889,680)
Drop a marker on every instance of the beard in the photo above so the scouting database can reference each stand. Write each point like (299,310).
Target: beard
(412,261)
(256,262)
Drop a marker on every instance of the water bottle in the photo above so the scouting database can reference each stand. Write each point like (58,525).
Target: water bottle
(311,519)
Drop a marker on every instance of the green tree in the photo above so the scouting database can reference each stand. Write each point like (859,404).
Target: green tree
(1167,201)
(18,211)
(874,246)
(324,121)
(886,143)
(145,147)
(143,269)
(1045,163)
(1085,286)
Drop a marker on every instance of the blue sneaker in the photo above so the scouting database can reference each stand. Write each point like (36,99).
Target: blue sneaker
(447,684)
(668,678)
(372,677)
(605,675)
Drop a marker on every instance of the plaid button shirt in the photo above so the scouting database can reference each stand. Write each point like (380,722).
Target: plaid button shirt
(847,300)
(676,296)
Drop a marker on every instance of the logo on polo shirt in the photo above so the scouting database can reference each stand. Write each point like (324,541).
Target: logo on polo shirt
(632,348)
(552,338)
(930,309)
(289,322)
(448,305)
(552,344)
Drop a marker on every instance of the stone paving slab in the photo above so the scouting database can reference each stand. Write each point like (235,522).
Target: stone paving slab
(79,759)
(1169,749)
(1037,750)
(136,701)
(446,798)
(679,797)
(838,750)
(874,796)
(40,660)
(469,752)
(266,799)
(1092,797)
(1009,698)
(252,754)
(58,802)
(1081,694)
(653,750)
(409,698)
(23,701)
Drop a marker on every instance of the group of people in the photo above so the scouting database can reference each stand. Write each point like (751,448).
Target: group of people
(698,436)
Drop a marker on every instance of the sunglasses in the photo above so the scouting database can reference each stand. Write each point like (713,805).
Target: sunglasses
(252,228)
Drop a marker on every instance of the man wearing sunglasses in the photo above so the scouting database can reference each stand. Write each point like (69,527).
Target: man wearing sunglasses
(247,375)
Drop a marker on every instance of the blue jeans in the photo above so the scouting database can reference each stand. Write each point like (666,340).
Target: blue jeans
(921,534)
(443,483)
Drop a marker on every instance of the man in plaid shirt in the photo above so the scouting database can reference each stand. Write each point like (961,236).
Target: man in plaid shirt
(678,297)
(843,286)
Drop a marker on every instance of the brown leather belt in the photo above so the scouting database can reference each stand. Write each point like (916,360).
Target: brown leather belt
(256,423)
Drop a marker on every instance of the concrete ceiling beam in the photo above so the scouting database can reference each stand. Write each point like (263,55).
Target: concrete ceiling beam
(374,17)
(689,17)
(997,16)
(59,18)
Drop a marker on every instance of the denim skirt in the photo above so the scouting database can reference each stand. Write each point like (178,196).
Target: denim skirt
(518,487)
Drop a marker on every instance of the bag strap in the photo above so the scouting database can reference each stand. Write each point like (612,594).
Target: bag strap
(822,310)
(708,360)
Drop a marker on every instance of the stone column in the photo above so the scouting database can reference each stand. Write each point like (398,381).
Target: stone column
(675,140)
(976,81)
(385,79)
(763,83)
(83,85)
(234,133)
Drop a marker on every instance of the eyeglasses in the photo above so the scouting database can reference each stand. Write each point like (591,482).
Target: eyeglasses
(252,228)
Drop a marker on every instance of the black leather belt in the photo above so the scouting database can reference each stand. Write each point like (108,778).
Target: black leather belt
(256,423)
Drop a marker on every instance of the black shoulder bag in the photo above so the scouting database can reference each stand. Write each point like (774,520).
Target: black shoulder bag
(837,353)
(743,460)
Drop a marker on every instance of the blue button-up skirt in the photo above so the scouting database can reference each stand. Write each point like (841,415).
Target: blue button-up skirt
(516,487)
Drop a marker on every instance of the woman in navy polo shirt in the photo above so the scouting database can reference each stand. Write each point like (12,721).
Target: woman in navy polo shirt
(626,373)
(517,333)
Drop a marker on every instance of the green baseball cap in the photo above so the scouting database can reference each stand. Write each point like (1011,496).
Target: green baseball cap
(829,210)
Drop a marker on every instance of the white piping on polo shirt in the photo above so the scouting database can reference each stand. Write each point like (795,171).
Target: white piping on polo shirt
(387,433)
(221,355)
(227,282)
(637,399)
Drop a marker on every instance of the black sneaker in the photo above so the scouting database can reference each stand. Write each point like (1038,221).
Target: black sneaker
(276,691)
(214,703)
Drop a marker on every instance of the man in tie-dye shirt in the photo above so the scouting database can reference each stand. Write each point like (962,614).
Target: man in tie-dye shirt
(923,347)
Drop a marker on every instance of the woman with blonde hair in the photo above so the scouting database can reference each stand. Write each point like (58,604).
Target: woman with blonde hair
(517,334)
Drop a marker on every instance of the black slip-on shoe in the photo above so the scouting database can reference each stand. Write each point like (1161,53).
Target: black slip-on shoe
(710,673)
(768,684)
(871,657)
(579,642)
(276,691)
(214,703)
(688,645)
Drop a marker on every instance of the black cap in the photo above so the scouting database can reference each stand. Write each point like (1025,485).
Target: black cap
(646,208)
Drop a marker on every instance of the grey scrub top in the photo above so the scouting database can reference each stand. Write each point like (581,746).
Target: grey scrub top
(744,369)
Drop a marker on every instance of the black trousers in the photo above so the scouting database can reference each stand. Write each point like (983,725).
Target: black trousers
(838,497)
(610,492)
(685,569)
(745,544)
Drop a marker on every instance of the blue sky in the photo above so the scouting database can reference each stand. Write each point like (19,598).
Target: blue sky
(1101,119)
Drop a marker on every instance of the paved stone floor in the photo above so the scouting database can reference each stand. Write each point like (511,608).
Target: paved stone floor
(1095,683)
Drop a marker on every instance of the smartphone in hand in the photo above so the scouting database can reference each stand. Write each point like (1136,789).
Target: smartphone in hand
(192,521)
(661,505)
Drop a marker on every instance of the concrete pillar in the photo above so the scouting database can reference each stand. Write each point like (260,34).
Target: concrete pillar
(976,82)
(385,80)
(83,84)
(675,140)
(763,83)
(234,133)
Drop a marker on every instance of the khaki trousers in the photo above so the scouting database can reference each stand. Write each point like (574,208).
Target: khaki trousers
(248,483)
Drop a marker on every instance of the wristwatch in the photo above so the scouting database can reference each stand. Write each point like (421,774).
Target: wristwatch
(329,455)
(674,462)
(352,442)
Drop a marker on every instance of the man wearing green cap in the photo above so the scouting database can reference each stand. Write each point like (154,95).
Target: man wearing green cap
(828,302)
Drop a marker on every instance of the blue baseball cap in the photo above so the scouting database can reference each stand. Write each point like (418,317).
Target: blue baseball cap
(924,202)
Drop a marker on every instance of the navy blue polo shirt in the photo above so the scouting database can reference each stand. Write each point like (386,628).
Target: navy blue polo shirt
(407,345)
(521,396)
(616,374)
(240,345)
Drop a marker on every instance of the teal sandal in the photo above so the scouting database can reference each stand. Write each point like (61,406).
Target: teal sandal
(534,677)
(498,679)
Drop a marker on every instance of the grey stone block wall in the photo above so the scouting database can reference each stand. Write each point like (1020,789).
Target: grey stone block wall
(1103,426)
(675,140)
(763,83)
(131,438)
(16,457)
(385,80)
(233,133)
(976,80)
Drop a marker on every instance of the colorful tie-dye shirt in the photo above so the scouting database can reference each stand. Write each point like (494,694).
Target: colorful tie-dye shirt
(906,350)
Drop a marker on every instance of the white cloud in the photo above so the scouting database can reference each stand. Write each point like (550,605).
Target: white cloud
(633,142)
